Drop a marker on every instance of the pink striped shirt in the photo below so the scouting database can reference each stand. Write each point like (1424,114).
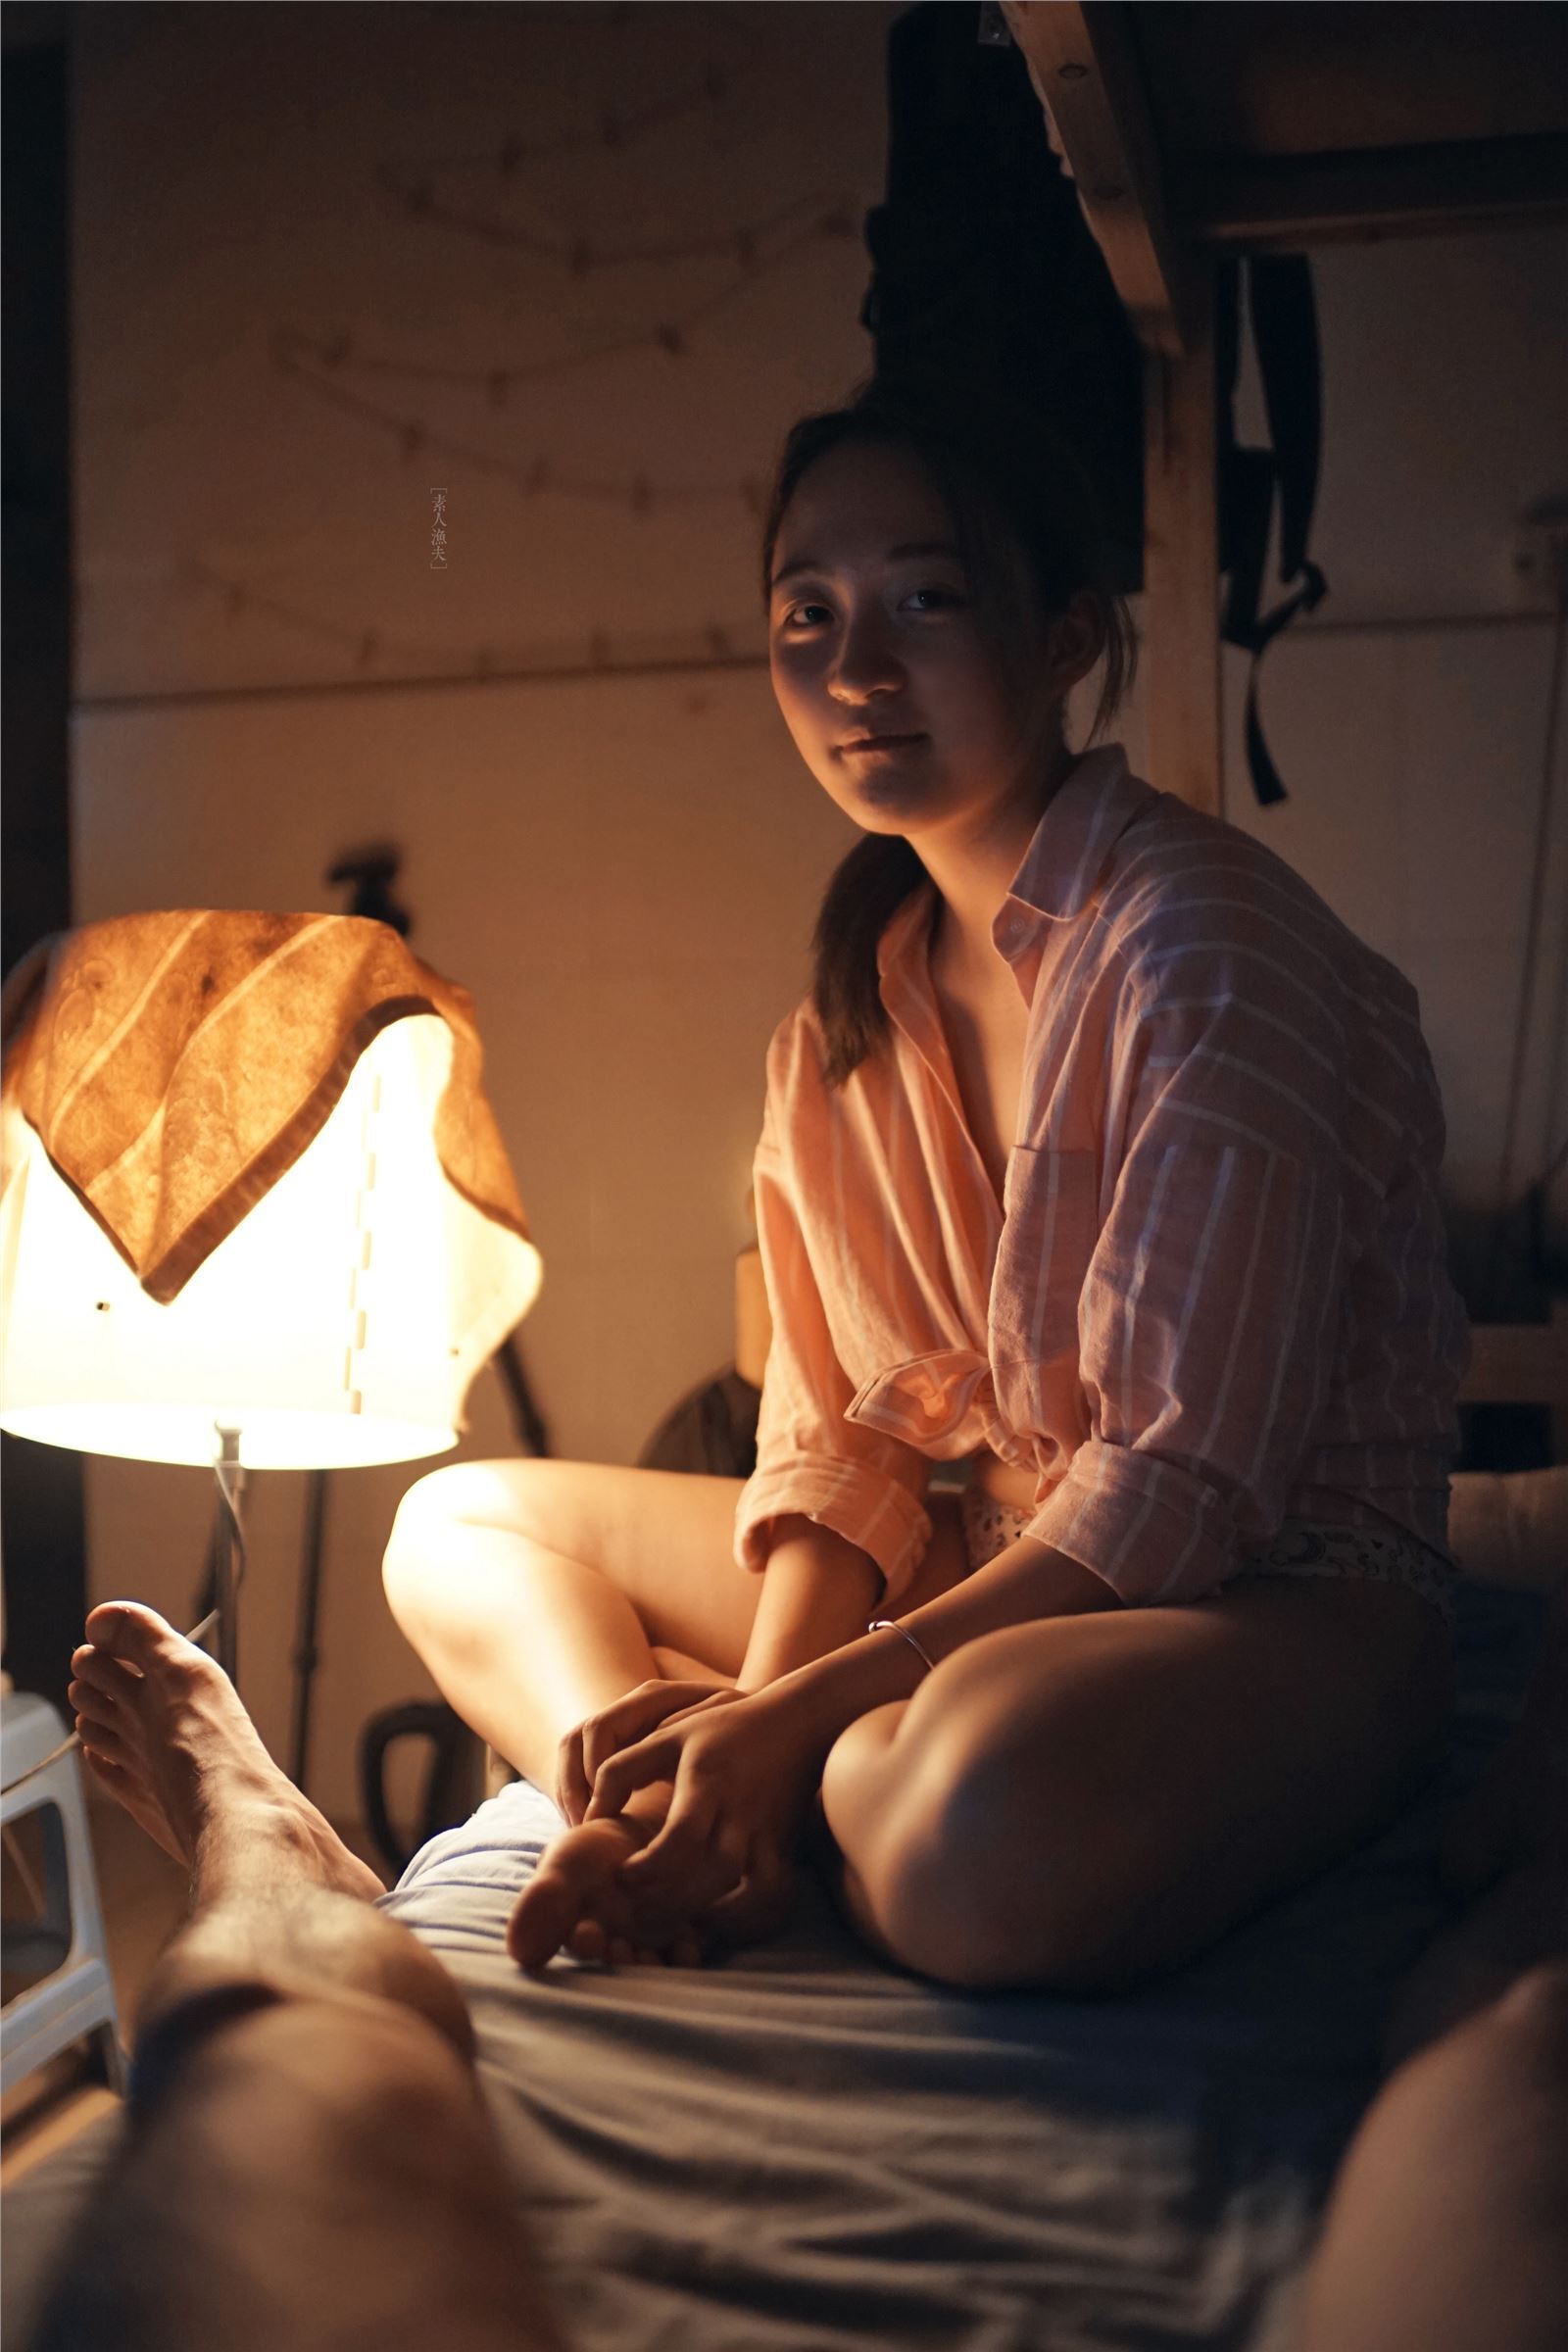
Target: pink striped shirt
(1214,1294)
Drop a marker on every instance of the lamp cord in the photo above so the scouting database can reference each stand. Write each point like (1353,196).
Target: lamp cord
(198,1633)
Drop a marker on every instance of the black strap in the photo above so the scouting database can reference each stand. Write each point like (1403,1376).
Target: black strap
(1284,323)
(1278,294)
(1261,765)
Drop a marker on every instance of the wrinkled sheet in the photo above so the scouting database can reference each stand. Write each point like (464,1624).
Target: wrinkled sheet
(802,2150)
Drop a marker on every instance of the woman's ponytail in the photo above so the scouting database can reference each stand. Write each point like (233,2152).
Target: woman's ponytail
(868,889)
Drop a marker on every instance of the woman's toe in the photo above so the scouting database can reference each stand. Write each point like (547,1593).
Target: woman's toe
(542,1917)
(588,1941)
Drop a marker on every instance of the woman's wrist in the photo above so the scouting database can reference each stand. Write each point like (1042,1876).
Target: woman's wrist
(818,1592)
(833,1692)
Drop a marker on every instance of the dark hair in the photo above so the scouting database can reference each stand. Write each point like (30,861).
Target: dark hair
(1032,540)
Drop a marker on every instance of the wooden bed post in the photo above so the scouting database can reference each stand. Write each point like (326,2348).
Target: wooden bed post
(1085,63)
(1180,651)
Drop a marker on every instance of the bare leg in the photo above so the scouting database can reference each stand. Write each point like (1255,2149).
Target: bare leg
(537,1593)
(1506,1845)
(1449,2226)
(309,2161)
(163,1730)
(1165,1770)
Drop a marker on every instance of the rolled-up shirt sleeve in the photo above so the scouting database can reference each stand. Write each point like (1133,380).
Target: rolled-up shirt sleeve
(867,1487)
(1209,1317)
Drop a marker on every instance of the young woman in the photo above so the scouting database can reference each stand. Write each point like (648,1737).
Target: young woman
(1102,1157)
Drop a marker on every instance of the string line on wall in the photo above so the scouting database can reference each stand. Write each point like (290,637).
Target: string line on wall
(668,335)
(615,129)
(580,255)
(320,365)
(533,476)
(537,674)
(717,645)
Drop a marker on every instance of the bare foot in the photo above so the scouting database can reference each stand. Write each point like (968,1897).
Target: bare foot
(163,1731)
(575,1902)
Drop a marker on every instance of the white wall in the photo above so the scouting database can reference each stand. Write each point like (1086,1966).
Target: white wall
(1415,756)
(624,870)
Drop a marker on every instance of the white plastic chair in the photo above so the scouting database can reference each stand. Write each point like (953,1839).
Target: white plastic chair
(77,1998)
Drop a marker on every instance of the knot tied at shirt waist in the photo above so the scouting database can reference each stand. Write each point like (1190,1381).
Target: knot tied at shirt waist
(945,1404)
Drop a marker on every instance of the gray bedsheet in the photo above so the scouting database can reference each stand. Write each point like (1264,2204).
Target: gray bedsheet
(802,2151)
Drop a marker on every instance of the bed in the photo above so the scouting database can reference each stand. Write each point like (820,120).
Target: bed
(802,2150)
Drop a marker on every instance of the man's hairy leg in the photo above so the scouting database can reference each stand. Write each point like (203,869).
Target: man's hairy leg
(308,2161)
(314,2170)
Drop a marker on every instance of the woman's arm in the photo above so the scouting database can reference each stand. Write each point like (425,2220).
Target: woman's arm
(818,1592)
(744,1771)
(1026,1582)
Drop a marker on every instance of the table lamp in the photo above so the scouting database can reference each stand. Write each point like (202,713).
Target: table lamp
(256,1210)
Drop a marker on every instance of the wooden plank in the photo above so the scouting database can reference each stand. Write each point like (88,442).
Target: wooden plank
(1296,201)
(1084,65)
(1523,1363)
(1268,82)
(1180,569)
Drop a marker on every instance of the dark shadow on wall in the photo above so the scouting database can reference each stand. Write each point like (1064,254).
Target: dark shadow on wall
(41,1486)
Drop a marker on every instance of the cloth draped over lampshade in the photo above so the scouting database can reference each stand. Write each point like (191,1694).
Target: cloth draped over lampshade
(270,1186)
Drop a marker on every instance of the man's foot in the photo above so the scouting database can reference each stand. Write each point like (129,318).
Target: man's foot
(163,1731)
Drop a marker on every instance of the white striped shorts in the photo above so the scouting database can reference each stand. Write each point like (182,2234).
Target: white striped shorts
(1303,1547)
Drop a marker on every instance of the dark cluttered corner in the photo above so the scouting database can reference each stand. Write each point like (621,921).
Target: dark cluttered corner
(43,1506)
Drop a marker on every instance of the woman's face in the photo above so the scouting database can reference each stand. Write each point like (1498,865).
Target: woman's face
(895,700)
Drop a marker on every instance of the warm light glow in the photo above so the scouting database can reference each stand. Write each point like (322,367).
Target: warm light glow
(339,1324)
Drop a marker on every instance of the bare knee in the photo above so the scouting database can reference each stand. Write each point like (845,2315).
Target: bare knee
(1533,2015)
(929,1825)
(417,1570)
(969,1919)
(311,1942)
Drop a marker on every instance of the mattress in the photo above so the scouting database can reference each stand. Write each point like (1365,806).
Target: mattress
(802,2150)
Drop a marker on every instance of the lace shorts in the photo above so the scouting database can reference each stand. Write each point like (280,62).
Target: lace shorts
(1303,1547)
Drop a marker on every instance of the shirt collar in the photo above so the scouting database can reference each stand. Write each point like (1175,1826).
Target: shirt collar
(1086,816)
(1085,819)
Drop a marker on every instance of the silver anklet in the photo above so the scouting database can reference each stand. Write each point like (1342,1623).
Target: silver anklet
(885,1625)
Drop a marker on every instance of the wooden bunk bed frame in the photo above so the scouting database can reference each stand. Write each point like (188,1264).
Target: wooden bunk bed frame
(1198,131)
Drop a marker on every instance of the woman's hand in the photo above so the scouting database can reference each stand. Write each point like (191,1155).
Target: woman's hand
(591,1743)
(745,1766)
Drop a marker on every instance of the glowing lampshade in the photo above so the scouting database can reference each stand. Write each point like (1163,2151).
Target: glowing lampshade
(344,1313)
